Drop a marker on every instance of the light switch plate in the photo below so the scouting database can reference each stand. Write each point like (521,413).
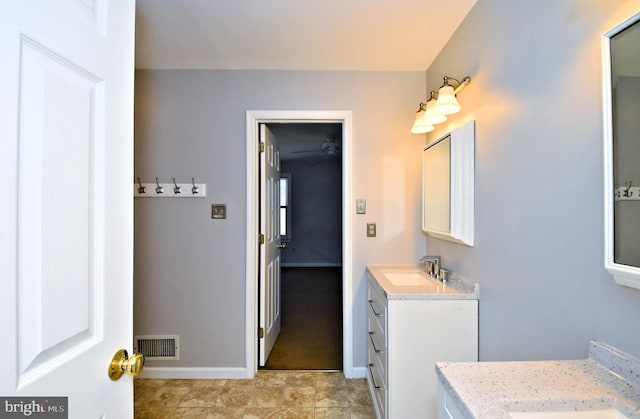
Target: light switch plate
(218,211)
(371,229)
(361,206)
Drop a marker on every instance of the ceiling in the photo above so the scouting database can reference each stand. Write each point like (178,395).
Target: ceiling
(394,35)
(298,141)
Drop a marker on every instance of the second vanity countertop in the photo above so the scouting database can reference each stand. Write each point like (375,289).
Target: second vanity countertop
(457,288)
(608,379)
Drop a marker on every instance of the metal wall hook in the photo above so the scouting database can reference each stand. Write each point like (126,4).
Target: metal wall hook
(194,189)
(176,188)
(159,189)
(141,189)
(627,191)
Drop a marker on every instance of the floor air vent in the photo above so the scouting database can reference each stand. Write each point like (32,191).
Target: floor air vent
(158,347)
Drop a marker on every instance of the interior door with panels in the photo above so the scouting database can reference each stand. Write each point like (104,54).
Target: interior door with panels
(66,160)
(270,318)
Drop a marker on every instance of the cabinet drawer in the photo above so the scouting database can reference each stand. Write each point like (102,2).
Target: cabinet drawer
(378,388)
(377,343)
(377,307)
(451,408)
(378,358)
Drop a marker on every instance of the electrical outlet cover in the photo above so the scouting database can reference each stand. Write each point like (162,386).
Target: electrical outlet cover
(218,211)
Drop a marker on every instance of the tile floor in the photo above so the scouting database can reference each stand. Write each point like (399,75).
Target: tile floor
(271,394)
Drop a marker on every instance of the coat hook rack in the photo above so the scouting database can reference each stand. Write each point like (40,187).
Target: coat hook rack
(627,192)
(177,190)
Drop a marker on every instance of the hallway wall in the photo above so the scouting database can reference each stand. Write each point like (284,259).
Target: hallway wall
(316,210)
(190,269)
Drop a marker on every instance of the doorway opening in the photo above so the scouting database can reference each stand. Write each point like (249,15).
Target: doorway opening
(310,242)
(254,120)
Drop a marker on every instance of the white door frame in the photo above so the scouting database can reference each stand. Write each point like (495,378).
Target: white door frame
(253,118)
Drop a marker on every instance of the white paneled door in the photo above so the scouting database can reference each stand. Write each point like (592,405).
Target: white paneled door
(66,213)
(270,317)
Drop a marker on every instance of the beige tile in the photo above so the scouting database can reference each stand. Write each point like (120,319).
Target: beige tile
(330,379)
(356,383)
(179,382)
(153,413)
(190,413)
(362,413)
(143,396)
(301,379)
(297,413)
(267,396)
(262,413)
(359,397)
(272,394)
(331,397)
(271,378)
(332,413)
(201,397)
(168,396)
(237,396)
(299,397)
(241,382)
(210,382)
(225,413)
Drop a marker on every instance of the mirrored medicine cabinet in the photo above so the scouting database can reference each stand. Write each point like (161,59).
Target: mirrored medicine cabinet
(448,185)
(621,96)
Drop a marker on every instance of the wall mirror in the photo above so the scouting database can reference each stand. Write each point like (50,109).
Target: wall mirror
(621,88)
(448,185)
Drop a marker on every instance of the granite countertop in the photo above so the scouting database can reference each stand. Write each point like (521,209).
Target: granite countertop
(607,379)
(457,287)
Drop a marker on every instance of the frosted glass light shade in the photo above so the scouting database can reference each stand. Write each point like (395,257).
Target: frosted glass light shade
(447,103)
(419,126)
(431,115)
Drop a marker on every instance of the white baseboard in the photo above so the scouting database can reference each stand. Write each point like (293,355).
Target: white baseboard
(310,265)
(356,372)
(219,373)
(195,373)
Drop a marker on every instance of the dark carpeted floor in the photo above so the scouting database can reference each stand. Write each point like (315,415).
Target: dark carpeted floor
(311,335)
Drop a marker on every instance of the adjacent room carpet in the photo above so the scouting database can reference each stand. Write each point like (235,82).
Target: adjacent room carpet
(311,335)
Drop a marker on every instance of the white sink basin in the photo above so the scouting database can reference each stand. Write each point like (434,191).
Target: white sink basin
(582,414)
(407,278)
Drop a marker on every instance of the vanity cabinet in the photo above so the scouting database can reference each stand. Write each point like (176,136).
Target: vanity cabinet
(407,335)
(448,407)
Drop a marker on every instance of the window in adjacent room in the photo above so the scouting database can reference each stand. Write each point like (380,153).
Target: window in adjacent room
(285,206)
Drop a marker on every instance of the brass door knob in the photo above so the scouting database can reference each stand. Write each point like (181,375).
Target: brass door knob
(121,363)
(281,245)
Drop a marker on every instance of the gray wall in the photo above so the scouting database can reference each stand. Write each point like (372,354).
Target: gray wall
(536,97)
(189,269)
(316,211)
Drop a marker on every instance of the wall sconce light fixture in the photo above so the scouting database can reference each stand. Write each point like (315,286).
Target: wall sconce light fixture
(439,105)
(420,126)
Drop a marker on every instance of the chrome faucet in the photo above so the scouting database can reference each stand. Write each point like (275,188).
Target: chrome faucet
(432,265)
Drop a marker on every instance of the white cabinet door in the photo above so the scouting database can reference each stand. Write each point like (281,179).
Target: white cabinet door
(66,218)
(421,333)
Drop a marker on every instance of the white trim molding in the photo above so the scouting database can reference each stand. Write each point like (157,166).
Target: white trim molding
(461,186)
(253,118)
(622,274)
